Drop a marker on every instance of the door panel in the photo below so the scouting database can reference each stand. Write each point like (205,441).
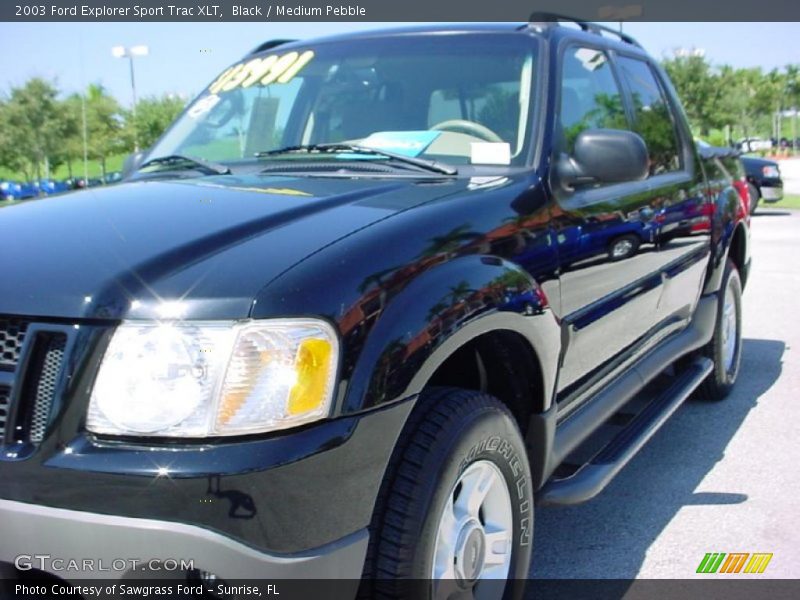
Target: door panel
(630,253)
(608,301)
(683,218)
(610,282)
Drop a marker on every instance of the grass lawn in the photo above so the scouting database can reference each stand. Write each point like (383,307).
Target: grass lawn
(8,202)
(789,201)
(113,163)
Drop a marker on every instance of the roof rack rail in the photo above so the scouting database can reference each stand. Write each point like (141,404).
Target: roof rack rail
(269,45)
(546,19)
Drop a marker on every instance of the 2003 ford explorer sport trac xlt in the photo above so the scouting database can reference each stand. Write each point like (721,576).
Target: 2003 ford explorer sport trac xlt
(362,304)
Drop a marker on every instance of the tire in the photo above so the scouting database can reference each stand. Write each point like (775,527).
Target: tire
(454,438)
(623,247)
(725,351)
(755,196)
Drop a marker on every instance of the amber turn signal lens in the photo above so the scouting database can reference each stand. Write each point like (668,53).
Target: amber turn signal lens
(312,365)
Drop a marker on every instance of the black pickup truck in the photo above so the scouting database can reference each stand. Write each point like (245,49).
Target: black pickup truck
(763,180)
(360,308)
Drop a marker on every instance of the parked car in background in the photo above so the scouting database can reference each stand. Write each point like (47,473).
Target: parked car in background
(754,144)
(729,162)
(52,186)
(82,183)
(17,190)
(763,180)
(112,177)
(612,236)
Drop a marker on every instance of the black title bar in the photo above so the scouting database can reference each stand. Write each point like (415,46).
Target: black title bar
(395,10)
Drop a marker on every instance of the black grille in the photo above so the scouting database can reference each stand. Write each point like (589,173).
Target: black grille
(5,397)
(12,334)
(46,387)
(29,381)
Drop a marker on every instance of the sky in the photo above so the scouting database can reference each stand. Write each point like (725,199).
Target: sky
(185,57)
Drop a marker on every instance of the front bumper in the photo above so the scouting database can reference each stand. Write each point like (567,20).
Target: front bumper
(106,546)
(277,504)
(771,193)
(284,493)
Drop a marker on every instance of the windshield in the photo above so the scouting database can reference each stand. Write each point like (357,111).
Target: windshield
(458,99)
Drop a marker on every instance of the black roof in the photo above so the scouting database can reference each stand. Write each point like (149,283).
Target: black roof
(593,34)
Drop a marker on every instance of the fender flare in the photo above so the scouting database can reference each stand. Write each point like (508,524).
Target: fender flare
(724,227)
(439,311)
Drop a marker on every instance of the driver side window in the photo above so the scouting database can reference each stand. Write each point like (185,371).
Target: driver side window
(590,97)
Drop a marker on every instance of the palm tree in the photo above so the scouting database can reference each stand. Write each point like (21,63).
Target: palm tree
(449,242)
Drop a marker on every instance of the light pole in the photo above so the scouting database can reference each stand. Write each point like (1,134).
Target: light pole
(129,53)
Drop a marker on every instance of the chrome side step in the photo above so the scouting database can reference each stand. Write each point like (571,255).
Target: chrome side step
(591,478)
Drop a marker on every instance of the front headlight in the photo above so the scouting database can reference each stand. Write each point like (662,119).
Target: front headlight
(207,379)
(771,171)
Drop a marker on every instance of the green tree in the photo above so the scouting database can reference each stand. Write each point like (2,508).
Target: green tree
(104,124)
(33,123)
(792,96)
(12,154)
(768,100)
(608,112)
(742,100)
(450,242)
(153,116)
(696,84)
(71,148)
(731,104)
(792,85)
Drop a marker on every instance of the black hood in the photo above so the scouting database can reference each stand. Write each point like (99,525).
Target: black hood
(196,248)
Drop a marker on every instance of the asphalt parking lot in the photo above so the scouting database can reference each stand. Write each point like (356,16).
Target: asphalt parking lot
(719,477)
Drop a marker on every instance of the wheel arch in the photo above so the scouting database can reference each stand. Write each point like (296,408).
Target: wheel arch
(730,238)
(738,251)
(501,306)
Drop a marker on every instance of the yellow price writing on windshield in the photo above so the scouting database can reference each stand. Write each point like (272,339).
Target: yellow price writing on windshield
(270,69)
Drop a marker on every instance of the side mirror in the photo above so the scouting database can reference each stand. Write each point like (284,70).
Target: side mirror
(132,162)
(604,156)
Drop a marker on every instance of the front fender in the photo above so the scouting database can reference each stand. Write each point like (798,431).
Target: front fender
(441,310)
(726,225)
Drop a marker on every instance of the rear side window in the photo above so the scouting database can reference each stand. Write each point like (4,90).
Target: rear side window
(652,114)
(590,96)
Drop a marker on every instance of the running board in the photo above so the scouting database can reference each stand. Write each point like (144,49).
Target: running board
(591,478)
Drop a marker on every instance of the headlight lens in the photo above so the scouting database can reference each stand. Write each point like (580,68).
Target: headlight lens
(771,171)
(208,379)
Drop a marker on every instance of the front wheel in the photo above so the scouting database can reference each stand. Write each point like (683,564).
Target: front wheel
(623,247)
(725,348)
(455,517)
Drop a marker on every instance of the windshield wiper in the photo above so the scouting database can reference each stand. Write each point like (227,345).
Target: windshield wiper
(178,161)
(421,163)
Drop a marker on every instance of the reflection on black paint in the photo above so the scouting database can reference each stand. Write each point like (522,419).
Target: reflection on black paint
(621,263)
(518,248)
(241,505)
